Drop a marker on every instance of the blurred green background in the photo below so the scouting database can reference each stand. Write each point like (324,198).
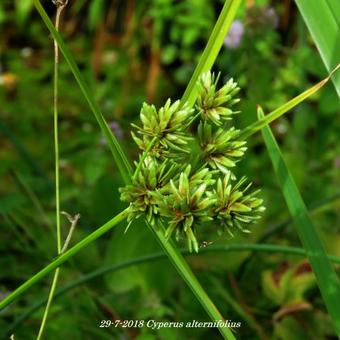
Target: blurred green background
(134,51)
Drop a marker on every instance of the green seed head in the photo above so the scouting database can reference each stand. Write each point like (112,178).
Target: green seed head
(221,149)
(168,125)
(187,205)
(235,207)
(192,191)
(215,104)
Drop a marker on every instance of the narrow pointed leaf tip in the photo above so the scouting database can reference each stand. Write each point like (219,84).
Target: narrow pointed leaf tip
(270,117)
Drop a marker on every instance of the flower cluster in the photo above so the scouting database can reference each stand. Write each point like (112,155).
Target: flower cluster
(187,206)
(220,149)
(152,178)
(234,206)
(215,104)
(167,126)
(188,189)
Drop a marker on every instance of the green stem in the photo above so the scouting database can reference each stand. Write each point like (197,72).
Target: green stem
(145,153)
(57,177)
(64,257)
(56,133)
(259,248)
(49,303)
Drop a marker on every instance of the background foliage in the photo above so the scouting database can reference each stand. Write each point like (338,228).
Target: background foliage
(135,51)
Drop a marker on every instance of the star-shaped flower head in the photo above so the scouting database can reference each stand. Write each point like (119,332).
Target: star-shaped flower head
(215,104)
(221,149)
(152,176)
(168,126)
(187,205)
(234,207)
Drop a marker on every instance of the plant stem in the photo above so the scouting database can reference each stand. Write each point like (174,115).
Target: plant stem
(49,302)
(118,154)
(56,132)
(56,276)
(145,154)
(74,220)
(57,177)
(64,257)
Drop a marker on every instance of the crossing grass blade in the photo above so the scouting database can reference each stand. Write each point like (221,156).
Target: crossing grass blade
(323,21)
(325,274)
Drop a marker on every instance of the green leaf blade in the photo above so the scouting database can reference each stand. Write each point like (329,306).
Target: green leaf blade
(323,21)
(212,48)
(325,274)
(13,296)
(178,261)
(286,107)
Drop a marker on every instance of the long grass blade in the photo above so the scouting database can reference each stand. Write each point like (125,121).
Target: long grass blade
(259,124)
(63,258)
(323,21)
(117,152)
(212,48)
(182,266)
(325,274)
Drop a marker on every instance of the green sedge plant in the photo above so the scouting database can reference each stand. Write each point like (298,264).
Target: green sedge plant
(170,187)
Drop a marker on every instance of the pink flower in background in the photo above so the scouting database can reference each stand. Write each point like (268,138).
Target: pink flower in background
(117,131)
(235,34)
(272,16)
